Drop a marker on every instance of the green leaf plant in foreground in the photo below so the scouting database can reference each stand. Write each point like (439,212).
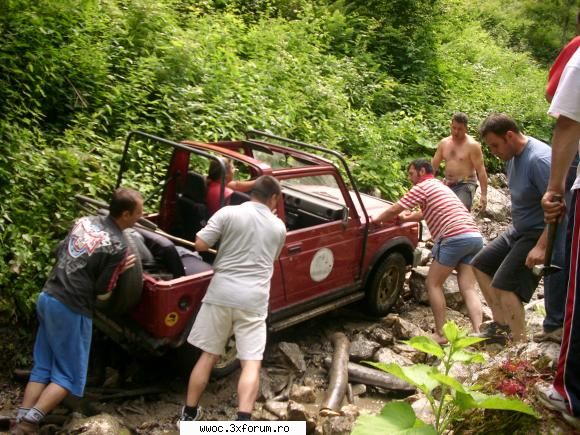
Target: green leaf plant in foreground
(448,397)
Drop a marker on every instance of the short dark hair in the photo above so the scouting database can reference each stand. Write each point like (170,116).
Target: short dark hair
(123,199)
(215,170)
(498,124)
(460,118)
(265,187)
(419,164)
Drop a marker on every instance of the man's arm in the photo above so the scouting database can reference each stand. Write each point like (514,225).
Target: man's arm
(437,158)
(242,186)
(411,216)
(538,252)
(564,146)
(478,164)
(391,213)
(201,245)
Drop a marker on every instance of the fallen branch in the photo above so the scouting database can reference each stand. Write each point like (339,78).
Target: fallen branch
(369,376)
(338,376)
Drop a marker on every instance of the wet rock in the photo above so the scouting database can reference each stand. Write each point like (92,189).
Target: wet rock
(294,354)
(423,410)
(417,284)
(387,356)
(302,394)
(359,390)
(279,409)
(272,383)
(102,424)
(541,355)
(425,256)
(350,411)
(362,349)
(389,320)
(498,181)
(382,336)
(336,426)
(535,313)
(409,352)
(403,329)
(298,412)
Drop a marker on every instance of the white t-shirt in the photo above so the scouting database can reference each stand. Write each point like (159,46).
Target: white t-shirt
(251,238)
(566,101)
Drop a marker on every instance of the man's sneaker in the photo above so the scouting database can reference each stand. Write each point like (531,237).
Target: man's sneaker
(554,336)
(550,398)
(25,428)
(188,417)
(493,332)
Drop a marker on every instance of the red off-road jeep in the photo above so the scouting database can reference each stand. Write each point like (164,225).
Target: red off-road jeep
(333,256)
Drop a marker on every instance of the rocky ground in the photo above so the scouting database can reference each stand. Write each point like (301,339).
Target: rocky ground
(146,399)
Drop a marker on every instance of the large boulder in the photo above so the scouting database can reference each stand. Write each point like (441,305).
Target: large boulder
(451,291)
(498,204)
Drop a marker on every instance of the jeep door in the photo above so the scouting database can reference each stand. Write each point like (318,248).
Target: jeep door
(323,245)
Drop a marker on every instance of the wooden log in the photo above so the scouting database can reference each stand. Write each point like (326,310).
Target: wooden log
(369,376)
(338,376)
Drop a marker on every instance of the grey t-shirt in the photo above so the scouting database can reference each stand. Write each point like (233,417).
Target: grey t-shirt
(251,238)
(528,175)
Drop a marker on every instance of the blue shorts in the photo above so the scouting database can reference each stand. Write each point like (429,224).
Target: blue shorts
(63,342)
(457,249)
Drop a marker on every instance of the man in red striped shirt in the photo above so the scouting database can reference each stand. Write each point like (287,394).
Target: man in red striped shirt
(457,240)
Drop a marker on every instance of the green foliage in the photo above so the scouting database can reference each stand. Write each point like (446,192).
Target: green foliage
(449,398)
(377,81)
(540,27)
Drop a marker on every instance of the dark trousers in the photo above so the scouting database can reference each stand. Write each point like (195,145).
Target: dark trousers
(567,381)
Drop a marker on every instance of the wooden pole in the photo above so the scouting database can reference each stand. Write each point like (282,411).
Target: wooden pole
(338,376)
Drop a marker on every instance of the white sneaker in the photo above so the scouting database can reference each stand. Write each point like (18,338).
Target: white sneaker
(550,398)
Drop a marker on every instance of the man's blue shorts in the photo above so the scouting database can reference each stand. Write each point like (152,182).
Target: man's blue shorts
(63,342)
(457,249)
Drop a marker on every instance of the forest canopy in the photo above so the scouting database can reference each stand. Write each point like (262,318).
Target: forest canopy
(377,80)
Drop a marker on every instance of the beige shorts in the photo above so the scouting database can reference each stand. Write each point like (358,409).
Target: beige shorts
(215,324)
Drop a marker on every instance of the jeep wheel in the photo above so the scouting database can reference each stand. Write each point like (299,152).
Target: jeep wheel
(228,363)
(127,294)
(386,284)
(183,359)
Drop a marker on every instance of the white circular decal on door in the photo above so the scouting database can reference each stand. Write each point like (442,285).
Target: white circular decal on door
(321,265)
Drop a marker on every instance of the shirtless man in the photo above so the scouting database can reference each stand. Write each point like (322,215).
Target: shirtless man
(463,160)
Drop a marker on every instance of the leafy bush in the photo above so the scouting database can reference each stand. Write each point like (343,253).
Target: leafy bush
(377,81)
(449,398)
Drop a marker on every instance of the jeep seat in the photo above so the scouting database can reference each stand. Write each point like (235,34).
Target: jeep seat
(191,210)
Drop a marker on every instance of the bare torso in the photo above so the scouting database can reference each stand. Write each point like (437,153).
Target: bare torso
(458,157)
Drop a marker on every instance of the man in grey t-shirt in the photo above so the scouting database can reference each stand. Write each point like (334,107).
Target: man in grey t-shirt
(251,238)
(504,267)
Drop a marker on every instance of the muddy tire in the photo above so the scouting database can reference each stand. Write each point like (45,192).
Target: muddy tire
(228,363)
(184,358)
(386,284)
(127,293)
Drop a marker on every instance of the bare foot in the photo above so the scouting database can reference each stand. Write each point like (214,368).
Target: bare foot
(439,339)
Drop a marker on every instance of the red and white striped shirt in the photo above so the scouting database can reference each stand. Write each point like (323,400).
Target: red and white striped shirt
(445,214)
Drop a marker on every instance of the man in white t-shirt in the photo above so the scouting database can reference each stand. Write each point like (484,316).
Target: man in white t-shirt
(251,237)
(564,395)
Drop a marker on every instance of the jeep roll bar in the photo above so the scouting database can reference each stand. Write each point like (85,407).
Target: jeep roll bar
(123,165)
